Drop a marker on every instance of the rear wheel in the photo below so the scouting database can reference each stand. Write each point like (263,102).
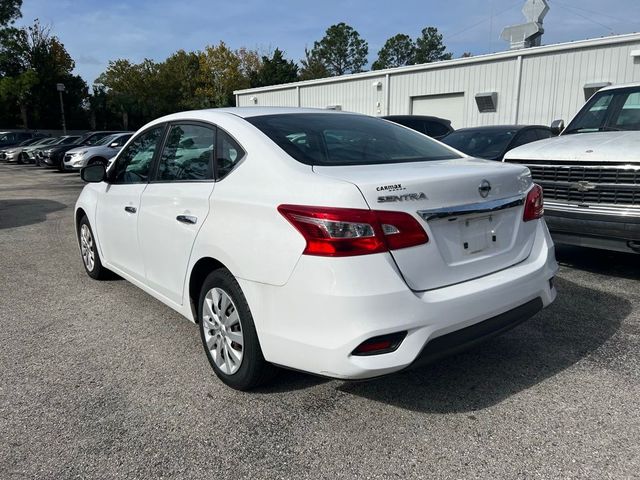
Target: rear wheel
(228,333)
(98,161)
(89,251)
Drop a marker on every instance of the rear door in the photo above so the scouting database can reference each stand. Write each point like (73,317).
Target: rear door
(175,205)
(118,207)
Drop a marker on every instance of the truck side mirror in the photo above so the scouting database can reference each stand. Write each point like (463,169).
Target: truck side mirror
(557,126)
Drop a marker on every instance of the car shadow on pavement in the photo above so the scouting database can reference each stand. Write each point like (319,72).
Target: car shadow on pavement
(605,262)
(23,212)
(572,329)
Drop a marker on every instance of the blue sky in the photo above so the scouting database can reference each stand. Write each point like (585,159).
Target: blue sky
(95,31)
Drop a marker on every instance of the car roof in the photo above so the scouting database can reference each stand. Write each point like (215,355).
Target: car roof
(211,114)
(497,128)
(616,87)
(420,117)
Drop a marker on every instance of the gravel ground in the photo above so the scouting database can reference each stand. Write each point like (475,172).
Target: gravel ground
(99,380)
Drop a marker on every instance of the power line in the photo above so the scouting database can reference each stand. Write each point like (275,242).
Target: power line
(484,20)
(591,11)
(575,11)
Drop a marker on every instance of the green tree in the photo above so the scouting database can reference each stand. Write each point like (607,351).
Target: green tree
(9,11)
(430,47)
(220,74)
(312,66)
(397,51)
(32,62)
(122,82)
(274,71)
(342,50)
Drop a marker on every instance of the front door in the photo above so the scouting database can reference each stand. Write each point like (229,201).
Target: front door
(119,205)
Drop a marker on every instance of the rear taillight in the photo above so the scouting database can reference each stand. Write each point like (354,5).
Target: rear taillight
(534,204)
(345,232)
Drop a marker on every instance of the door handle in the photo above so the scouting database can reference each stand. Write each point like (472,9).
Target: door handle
(187,219)
(130,209)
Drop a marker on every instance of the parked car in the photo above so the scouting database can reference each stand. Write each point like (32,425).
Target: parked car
(493,142)
(434,127)
(101,152)
(591,173)
(351,259)
(29,153)
(38,153)
(14,138)
(13,153)
(53,157)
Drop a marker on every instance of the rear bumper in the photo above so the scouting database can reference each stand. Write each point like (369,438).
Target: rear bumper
(594,228)
(327,308)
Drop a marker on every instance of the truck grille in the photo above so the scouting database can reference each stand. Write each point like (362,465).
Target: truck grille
(588,184)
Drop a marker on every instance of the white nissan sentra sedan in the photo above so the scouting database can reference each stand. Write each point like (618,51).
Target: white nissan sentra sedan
(333,243)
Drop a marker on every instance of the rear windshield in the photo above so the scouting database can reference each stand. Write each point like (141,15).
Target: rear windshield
(481,143)
(343,139)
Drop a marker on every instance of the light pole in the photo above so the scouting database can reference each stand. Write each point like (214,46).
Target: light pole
(60,88)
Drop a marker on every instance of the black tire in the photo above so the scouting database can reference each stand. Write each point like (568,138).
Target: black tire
(96,271)
(20,160)
(254,370)
(98,161)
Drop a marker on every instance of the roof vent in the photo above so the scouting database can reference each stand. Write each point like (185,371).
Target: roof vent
(487,102)
(590,89)
(528,34)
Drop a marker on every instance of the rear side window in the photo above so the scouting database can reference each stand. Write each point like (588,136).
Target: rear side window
(187,154)
(345,139)
(436,129)
(228,154)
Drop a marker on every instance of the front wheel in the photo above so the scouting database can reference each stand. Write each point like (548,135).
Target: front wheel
(89,251)
(229,335)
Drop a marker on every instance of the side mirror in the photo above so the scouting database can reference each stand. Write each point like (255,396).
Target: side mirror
(557,126)
(114,145)
(94,173)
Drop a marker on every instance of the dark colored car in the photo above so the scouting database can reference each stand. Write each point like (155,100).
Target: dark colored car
(8,139)
(492,143)
(434,127)
(38,154)
(53,156)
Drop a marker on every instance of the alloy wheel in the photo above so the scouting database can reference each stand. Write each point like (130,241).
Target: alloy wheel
(223,331)
(87,247)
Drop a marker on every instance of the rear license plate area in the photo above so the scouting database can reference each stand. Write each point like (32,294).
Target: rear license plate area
(476,234)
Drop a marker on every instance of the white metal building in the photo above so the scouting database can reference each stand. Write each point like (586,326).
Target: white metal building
(528,86)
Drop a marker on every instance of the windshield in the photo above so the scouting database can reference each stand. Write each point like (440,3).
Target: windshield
(611,110)
(106,140)
(481,143)
(344,139)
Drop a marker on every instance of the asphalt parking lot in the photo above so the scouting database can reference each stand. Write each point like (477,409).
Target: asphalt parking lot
(99,380)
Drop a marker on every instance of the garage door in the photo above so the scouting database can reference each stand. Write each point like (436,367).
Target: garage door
(450,106)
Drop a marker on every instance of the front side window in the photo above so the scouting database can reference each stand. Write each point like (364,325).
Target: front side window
(345,139)
(134,162)
(187,154)
(120,141)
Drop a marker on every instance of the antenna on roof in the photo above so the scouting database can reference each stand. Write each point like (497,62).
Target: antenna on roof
(528,34)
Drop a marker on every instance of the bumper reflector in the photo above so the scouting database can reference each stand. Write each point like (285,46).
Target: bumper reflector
(379,345)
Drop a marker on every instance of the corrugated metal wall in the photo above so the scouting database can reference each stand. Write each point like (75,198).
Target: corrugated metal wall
(551,85)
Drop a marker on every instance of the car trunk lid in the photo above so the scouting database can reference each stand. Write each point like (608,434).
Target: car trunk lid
(471,210)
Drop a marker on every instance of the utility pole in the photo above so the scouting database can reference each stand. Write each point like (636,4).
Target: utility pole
(60,87)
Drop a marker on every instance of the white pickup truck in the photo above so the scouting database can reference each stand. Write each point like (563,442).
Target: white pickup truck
(591,173)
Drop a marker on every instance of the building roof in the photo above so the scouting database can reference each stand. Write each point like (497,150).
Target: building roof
(559,47)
